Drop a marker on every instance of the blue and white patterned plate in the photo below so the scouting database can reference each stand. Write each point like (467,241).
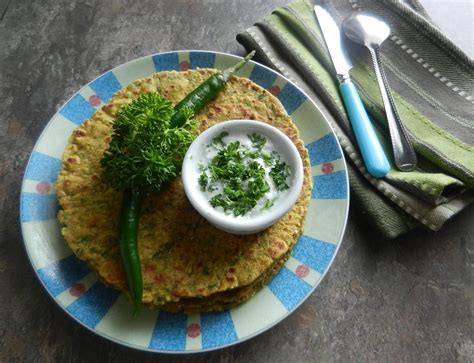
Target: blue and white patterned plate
(105,311)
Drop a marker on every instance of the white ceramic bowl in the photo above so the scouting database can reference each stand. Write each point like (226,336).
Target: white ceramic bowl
(241,225)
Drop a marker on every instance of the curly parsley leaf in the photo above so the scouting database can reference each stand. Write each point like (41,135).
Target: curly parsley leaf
(145,151)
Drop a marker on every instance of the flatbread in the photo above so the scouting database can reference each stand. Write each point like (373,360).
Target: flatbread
(182,255)
(226,299)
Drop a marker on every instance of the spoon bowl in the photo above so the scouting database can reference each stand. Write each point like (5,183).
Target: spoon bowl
(365,29)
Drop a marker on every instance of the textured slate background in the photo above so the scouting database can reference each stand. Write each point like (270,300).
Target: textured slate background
(410,299)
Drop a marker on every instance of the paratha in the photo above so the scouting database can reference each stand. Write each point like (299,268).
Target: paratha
(183,257)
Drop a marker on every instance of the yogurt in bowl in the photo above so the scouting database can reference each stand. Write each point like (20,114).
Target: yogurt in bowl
(242,175)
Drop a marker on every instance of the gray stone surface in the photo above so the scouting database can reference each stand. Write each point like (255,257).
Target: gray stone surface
(409,299)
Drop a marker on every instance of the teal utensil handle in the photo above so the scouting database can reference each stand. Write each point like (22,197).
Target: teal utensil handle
(374,156)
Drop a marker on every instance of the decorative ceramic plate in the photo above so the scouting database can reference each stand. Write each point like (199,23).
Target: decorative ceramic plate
(105,311)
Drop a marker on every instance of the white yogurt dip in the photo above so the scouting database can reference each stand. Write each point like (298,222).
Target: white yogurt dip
(251,153)
(260,216)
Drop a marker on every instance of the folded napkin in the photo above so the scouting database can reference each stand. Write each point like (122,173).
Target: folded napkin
(432,83)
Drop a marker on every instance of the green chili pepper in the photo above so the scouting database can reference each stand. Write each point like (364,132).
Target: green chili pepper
(144,153)
(204,93)
(128,234)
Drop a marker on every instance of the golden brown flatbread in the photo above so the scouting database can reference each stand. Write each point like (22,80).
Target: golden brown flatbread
(186,262)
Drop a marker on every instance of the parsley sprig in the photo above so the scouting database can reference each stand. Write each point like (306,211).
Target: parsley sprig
(145,152)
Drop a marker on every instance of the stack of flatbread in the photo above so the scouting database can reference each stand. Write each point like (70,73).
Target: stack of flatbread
(187,263)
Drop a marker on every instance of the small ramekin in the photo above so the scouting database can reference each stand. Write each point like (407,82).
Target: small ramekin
(229,223)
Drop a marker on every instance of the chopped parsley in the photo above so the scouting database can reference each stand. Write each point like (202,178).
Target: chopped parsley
(267,158)
(258,141)
(217,141)
(242,176)
(203,180)
(279,172)
(268,203)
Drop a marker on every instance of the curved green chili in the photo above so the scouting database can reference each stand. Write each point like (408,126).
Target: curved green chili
(205,92)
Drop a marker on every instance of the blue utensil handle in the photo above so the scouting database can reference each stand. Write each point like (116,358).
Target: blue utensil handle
(374,156)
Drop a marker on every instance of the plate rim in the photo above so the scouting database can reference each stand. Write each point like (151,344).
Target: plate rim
(237,341)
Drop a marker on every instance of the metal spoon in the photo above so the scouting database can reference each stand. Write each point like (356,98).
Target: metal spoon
(367,30)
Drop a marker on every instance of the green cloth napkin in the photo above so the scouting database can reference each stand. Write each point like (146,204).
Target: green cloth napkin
(432,83)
